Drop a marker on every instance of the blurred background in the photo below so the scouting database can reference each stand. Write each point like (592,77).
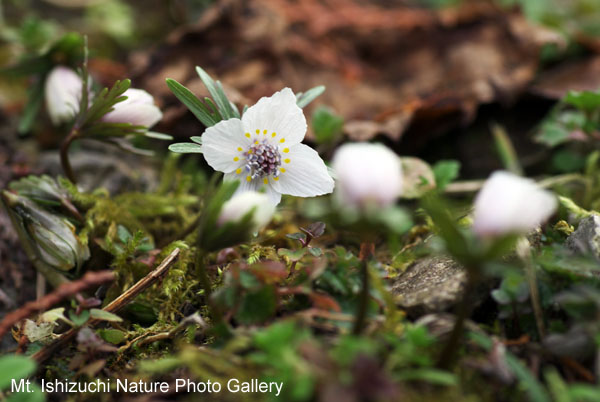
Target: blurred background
(425,77)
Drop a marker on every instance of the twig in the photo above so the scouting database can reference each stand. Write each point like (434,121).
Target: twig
(64,291)
(145,339)
(113,306)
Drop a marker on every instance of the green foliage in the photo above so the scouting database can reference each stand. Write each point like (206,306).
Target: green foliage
(445,172)
(326,125)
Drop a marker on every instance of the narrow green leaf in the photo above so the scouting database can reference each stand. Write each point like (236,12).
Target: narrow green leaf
(506,150)
(192,103)
(216,91)
(186,148)
(158,136)
(305,98)
(104,315)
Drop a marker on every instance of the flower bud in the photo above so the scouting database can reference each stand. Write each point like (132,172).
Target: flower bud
(241,204)
(367,174)
(511,204)
(138,109)
(63,93)
(49,237)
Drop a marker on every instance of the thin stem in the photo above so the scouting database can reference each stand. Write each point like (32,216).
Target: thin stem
(202,274)
(64,154)
(305,244)
(464,309)
(524,253)
(366,251)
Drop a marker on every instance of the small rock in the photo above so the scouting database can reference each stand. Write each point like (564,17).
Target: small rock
(440,325)
(431,285)
(586,239)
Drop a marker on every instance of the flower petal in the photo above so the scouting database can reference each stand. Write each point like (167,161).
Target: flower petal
(277,118)
(254,185)
(223,145)
(62,91)
(304,173)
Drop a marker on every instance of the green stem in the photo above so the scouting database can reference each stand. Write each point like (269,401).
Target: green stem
(366,250)
(206,285)
(64,154)
(464,309)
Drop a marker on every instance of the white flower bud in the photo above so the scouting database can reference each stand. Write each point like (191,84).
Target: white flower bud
(138,109)
(63,93)
(242,203)
(367,173)
(511,204)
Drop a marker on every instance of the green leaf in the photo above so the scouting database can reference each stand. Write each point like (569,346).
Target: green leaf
(445,172)
(104,315)
(430,375)
(158,136)
(196,139)
(80,319)
(104,103)
(316,251)
(194,104)
(218,95)
(293,255)
(584,100)
(296,236)
(111,335)
(186,148)
(506,150)
(417,177)
(258,306)
(326,125)
(36,395)
(14,367)
(305,98)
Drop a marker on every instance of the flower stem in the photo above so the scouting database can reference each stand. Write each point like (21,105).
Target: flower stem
(64,154)
(366,251)
(464,309)
(206,285)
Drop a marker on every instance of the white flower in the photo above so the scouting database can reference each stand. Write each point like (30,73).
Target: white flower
(367,173)
(239,205)
(264,149)
(511,204)
(138,109)
(63,93)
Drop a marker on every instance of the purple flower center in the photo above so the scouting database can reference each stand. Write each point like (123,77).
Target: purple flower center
(263,159)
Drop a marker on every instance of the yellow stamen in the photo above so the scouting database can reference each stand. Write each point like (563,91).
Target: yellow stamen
(276,178)
(274,135)
(282,140)
(282,170)
(265,132)
(236,159)
(238,171)
(248,178)
(239,149)
(266,181)
(287,160)
(286,150)
(248,135)
(257,131)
